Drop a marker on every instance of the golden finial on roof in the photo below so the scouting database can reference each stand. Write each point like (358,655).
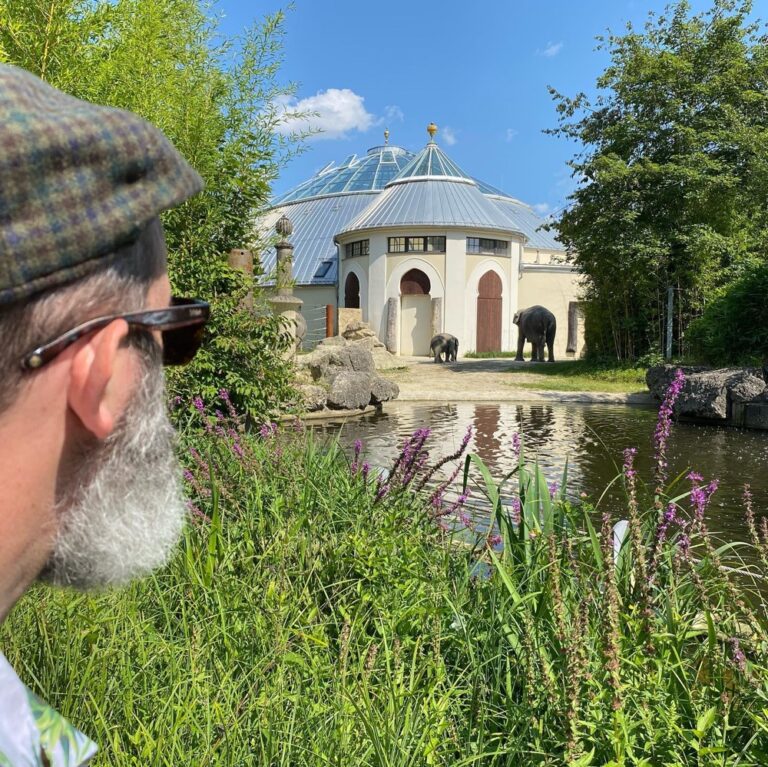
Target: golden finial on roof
(386,136)
(431,129)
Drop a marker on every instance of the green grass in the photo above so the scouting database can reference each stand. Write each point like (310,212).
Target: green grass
(581,375)
(307,622)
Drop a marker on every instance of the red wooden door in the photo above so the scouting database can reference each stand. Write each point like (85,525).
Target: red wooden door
(489,313)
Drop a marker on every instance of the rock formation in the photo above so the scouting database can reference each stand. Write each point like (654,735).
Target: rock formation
(340,374)
(730,396)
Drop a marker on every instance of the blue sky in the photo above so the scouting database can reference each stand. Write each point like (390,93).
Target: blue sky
(478,68)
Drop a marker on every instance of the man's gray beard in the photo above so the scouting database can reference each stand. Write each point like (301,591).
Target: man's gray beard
(124,513)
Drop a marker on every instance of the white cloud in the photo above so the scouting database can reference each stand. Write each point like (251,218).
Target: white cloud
(392,114)
(542,208)
(551,49)
(330,114)
(511,133)
(449,136)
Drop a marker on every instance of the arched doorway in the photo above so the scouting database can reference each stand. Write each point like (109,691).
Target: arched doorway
(415,313)
(352,292)
(489,305)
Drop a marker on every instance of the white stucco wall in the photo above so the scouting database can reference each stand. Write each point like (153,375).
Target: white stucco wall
(553,287)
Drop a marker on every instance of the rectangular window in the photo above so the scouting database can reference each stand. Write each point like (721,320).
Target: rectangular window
(436,244)
(416,245)
(359,248)
(485,245)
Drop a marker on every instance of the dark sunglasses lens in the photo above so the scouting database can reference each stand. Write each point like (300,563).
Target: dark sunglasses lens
(181,345)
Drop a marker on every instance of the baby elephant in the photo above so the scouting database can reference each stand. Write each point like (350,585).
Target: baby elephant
(444,343)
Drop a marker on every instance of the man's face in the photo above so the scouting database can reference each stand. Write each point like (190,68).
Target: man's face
(121,509)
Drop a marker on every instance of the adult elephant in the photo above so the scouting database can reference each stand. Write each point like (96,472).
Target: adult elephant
(444,344)
(537,325)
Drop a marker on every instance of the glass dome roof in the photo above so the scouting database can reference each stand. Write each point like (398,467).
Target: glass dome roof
(431,162)
(356,174)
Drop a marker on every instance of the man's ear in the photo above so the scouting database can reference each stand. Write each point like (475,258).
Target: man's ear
(96,392)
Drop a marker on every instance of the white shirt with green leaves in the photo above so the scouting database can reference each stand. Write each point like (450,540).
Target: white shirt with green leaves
(32,734)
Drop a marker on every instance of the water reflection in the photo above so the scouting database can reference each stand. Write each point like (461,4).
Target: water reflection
(590,437)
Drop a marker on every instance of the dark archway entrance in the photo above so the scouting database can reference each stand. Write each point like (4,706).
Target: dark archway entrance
(352,292)
(489,305)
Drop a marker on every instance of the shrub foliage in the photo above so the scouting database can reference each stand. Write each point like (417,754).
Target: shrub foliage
(672,183)
(734,326)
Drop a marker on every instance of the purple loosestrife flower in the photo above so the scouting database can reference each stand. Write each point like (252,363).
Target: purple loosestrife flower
(737,655)
(199,404)
(358,448)
(629,462)
(553,488)
(700,495)
(366,470)
(494,540)
(427,476)
(268,430)
(664,428)
(515,509)
(516,444)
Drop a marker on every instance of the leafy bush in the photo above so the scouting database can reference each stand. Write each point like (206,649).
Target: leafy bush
(321,612)
(734,326)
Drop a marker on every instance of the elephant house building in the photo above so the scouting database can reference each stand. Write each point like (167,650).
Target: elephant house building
(414,246)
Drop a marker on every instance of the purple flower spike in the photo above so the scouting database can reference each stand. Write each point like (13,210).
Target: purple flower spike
(515,511)
(199,404)
(664,427)
(629,462)
(553,488)
(516,444)
(737,654)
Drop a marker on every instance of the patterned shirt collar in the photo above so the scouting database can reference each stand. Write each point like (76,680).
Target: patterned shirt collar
(32,734)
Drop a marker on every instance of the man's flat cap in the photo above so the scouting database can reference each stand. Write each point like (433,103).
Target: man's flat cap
(77,182)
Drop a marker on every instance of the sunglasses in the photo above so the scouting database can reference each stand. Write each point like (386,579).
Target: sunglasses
(181,324)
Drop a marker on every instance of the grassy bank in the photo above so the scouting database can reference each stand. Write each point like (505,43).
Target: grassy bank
(579,375)
(320,615)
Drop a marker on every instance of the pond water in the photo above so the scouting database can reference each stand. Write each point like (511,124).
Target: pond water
(590,437)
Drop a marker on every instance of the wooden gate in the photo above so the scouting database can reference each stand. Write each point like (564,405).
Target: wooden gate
(489,313)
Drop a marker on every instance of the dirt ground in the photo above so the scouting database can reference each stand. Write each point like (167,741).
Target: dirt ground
(485,380)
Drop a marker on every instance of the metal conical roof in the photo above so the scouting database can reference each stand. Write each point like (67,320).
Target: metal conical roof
(356,174)
(431,162)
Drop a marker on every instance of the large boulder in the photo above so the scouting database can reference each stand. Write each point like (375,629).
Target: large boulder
(383,360)
(350,390)
(659,377)
(383,390)
(326,362)
(707,393)
(313,397)
(359,331)
(745,387)
(704,395)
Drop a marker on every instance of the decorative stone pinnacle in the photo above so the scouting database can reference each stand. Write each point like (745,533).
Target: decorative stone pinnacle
(284,227)
(431,129)
(386,136)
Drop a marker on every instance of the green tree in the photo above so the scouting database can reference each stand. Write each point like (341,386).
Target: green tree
(215,99)
(673,174)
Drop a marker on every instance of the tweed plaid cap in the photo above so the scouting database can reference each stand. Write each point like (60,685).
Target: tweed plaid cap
(77,181)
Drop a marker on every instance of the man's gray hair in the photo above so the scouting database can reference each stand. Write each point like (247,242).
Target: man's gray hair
(120,287)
